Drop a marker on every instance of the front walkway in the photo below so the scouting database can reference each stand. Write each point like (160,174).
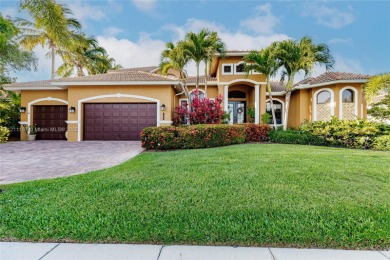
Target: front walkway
(58,251)
(25,161)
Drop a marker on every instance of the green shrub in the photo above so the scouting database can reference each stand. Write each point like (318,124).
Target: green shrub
(192,137)
(295,137)
(266,118)
(4,133)
(346,133)
(382,143)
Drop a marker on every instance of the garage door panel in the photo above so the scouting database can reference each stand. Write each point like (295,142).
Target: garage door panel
(118,121)
(50,121)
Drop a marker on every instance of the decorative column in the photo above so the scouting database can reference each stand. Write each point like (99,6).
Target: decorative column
(225,98)
(257,104)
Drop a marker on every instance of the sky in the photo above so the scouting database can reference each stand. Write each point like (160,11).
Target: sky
(134,32)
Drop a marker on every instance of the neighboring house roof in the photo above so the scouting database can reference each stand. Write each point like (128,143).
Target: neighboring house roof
(144,69)
(332,77)
(192,79)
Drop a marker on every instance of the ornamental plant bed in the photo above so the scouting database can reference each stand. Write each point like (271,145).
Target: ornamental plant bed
(201,136)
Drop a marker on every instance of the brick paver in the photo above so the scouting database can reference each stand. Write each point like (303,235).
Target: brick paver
(24,161)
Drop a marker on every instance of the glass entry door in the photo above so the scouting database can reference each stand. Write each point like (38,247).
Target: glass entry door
(237,111)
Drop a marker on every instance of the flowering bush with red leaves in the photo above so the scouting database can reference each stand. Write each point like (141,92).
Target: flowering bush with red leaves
(256,133)
(202,111)
(201,136)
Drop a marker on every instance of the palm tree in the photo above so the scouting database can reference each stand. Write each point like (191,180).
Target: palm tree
(216,45)
(85,55)
(264,62)
(296,56)
(52,27)
(375,85)
(175,57)
(201,47)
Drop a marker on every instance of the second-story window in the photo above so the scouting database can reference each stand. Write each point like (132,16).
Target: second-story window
(240,68)
(227,69)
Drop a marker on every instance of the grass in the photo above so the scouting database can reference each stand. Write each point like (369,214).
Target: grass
(249,195)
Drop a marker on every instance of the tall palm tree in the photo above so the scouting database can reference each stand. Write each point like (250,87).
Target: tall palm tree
(264,62)
(175,57)
(201,46)
(51,26)
(297,56)
(375,85)
(86,55)
(216,45)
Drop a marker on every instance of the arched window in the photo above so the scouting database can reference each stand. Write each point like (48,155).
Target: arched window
(347,96)
(201,95)
(323,97)
(278,108)
(236,94)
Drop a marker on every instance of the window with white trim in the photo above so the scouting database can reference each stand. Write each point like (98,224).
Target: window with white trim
(278,108)
(347,96)
(240,68)
(227,69)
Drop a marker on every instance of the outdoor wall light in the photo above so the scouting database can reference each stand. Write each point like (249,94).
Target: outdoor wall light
(22,109)
(163,107)
(72,109)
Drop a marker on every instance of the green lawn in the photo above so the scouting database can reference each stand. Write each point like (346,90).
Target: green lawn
(267,194)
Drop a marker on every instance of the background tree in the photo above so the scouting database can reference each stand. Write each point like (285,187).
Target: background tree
(12,59)
(265,62)
(52,26)
(381,110)
(300,56)
(376,85)
(87,56)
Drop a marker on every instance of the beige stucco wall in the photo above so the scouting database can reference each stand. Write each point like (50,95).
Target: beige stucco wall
(302,101)
(235,61)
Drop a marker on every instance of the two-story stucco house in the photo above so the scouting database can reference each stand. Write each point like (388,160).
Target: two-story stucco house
(119,104)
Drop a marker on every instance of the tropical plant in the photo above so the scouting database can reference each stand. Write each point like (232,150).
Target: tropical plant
(265,62)
(174,57)
(381,110)
(201,47)
(51,27)
(300,56)
(375,85)
(12,57)
(86,55)
(203,111)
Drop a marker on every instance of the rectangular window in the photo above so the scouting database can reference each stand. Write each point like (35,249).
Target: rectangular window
(227,69)
(240,68)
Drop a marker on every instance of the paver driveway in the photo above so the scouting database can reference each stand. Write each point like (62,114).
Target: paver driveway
(24,161)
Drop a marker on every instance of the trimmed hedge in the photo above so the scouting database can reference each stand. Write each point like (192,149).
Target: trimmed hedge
(201,136)
(295,137)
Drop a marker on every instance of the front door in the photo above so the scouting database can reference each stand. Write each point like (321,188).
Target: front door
(237,110)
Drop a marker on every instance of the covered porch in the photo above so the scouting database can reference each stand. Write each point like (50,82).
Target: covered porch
(244,100)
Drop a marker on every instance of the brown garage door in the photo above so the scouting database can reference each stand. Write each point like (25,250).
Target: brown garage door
(50,121)
(118,121)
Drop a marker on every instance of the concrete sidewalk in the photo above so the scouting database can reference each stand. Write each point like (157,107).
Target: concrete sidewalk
(59,251)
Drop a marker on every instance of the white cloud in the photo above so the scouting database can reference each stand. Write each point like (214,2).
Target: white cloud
(145,5)
(330,17)
(112,31)
(345,64)
(263,22)
(84,12)
(340,41)
(143,52)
